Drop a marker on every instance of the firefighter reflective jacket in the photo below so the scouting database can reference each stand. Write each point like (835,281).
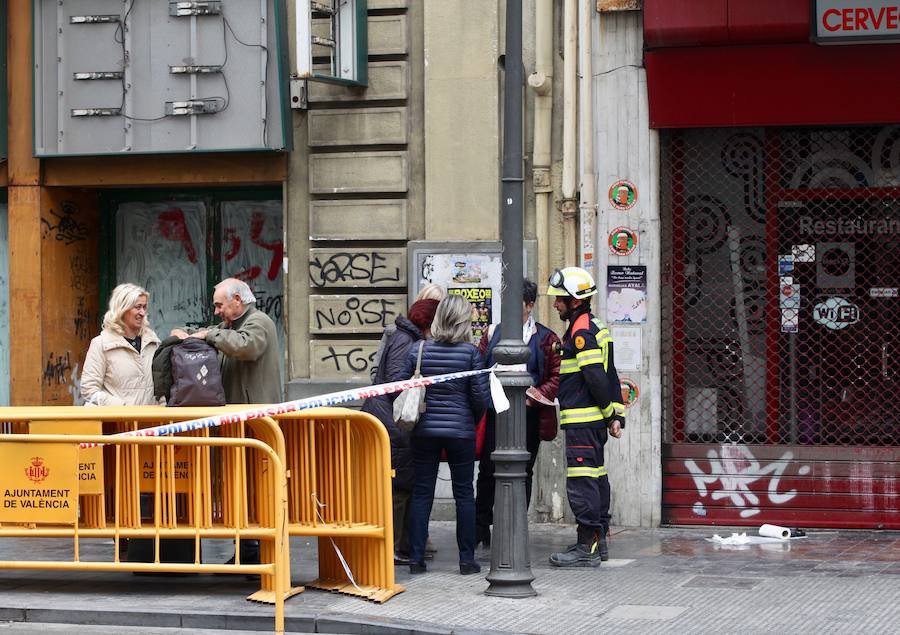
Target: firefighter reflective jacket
(589,390)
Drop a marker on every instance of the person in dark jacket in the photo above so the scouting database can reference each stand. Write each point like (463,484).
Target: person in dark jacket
(407,331)
(540,420)
(430,291)
(448,423)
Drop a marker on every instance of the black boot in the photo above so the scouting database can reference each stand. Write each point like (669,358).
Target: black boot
(584,553)
(602,547)
(580,556)
(600,539)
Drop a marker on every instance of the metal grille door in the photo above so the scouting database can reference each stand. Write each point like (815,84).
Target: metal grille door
(782,252)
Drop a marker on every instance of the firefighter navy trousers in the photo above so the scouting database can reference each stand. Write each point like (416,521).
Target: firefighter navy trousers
(587,483)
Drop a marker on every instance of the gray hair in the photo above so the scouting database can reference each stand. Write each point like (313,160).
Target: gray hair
(453,320)
(234,287)
(431,291)
(122,299)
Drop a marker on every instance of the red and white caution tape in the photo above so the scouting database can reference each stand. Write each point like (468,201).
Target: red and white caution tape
(319,401)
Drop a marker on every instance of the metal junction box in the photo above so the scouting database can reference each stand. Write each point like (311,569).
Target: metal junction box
(139,76)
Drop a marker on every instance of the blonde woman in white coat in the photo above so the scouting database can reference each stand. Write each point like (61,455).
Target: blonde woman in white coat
(117,369)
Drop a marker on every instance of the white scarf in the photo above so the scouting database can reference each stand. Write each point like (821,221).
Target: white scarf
(528,329)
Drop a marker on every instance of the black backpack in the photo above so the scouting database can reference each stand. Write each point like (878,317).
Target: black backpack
(196,375)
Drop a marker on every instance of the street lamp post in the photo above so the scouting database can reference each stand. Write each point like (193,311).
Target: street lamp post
(510,575)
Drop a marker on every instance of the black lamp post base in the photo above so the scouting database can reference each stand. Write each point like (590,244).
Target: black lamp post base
(510,575)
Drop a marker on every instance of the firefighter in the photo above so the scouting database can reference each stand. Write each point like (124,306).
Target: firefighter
(590,410)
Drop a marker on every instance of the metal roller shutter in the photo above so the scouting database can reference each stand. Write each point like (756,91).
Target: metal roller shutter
(780,350)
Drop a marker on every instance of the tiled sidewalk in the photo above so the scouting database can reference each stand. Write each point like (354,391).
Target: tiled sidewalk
(658,581)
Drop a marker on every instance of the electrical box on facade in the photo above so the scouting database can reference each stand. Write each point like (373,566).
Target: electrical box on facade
(333,35)
(135,77)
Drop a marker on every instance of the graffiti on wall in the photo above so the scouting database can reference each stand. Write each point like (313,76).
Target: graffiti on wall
(157,248)
(253,251)
(356,268)
(354,313)
(162,247)
(735,470)
(273,244)
(55,368)
(83,320)
(348,360)
(343,359)
(64,225)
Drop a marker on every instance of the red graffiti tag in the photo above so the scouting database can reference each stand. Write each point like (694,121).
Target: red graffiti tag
(172,226)
(232,242)
(257,223)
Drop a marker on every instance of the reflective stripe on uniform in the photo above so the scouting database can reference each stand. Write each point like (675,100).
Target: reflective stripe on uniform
(567,366)
(619,408)
(590,472)
(593,356)
(584,415)
(603,337)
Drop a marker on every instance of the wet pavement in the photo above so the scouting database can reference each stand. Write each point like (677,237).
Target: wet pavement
(657,581)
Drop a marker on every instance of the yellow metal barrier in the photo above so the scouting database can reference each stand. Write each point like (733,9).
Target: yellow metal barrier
(96,506)
(40,499)
(340,490)
(338,469)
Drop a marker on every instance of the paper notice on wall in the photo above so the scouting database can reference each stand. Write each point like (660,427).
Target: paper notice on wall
(587,239)
(790,297)
(804,253)
(789,303)
(785,265)
(626,347)
(790,322)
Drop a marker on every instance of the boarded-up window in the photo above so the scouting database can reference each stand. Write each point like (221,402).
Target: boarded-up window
(178,249)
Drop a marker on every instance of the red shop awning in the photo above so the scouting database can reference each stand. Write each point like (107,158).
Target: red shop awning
(714,63)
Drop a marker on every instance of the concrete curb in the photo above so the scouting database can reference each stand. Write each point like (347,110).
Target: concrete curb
(321,622)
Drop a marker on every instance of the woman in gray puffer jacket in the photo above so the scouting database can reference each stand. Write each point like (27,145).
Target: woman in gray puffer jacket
(391,367)
(448,424)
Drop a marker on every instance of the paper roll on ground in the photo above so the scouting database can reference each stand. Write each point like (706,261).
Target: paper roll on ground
(774,531)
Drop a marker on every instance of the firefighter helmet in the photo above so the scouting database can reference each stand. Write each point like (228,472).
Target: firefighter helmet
(572,281)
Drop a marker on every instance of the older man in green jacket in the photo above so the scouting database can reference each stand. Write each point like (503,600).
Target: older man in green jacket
(248,341)
(251,366)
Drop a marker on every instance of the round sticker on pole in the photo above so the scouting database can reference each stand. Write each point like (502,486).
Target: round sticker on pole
(630,392)
(622,241)
(623,195)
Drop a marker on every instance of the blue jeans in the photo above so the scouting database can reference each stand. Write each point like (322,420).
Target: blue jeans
(426,460)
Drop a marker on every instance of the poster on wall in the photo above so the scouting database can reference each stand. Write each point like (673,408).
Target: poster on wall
(481,299)
(476,276)
(626,293)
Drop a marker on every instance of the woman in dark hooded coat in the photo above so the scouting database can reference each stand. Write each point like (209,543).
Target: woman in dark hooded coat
(410,329)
